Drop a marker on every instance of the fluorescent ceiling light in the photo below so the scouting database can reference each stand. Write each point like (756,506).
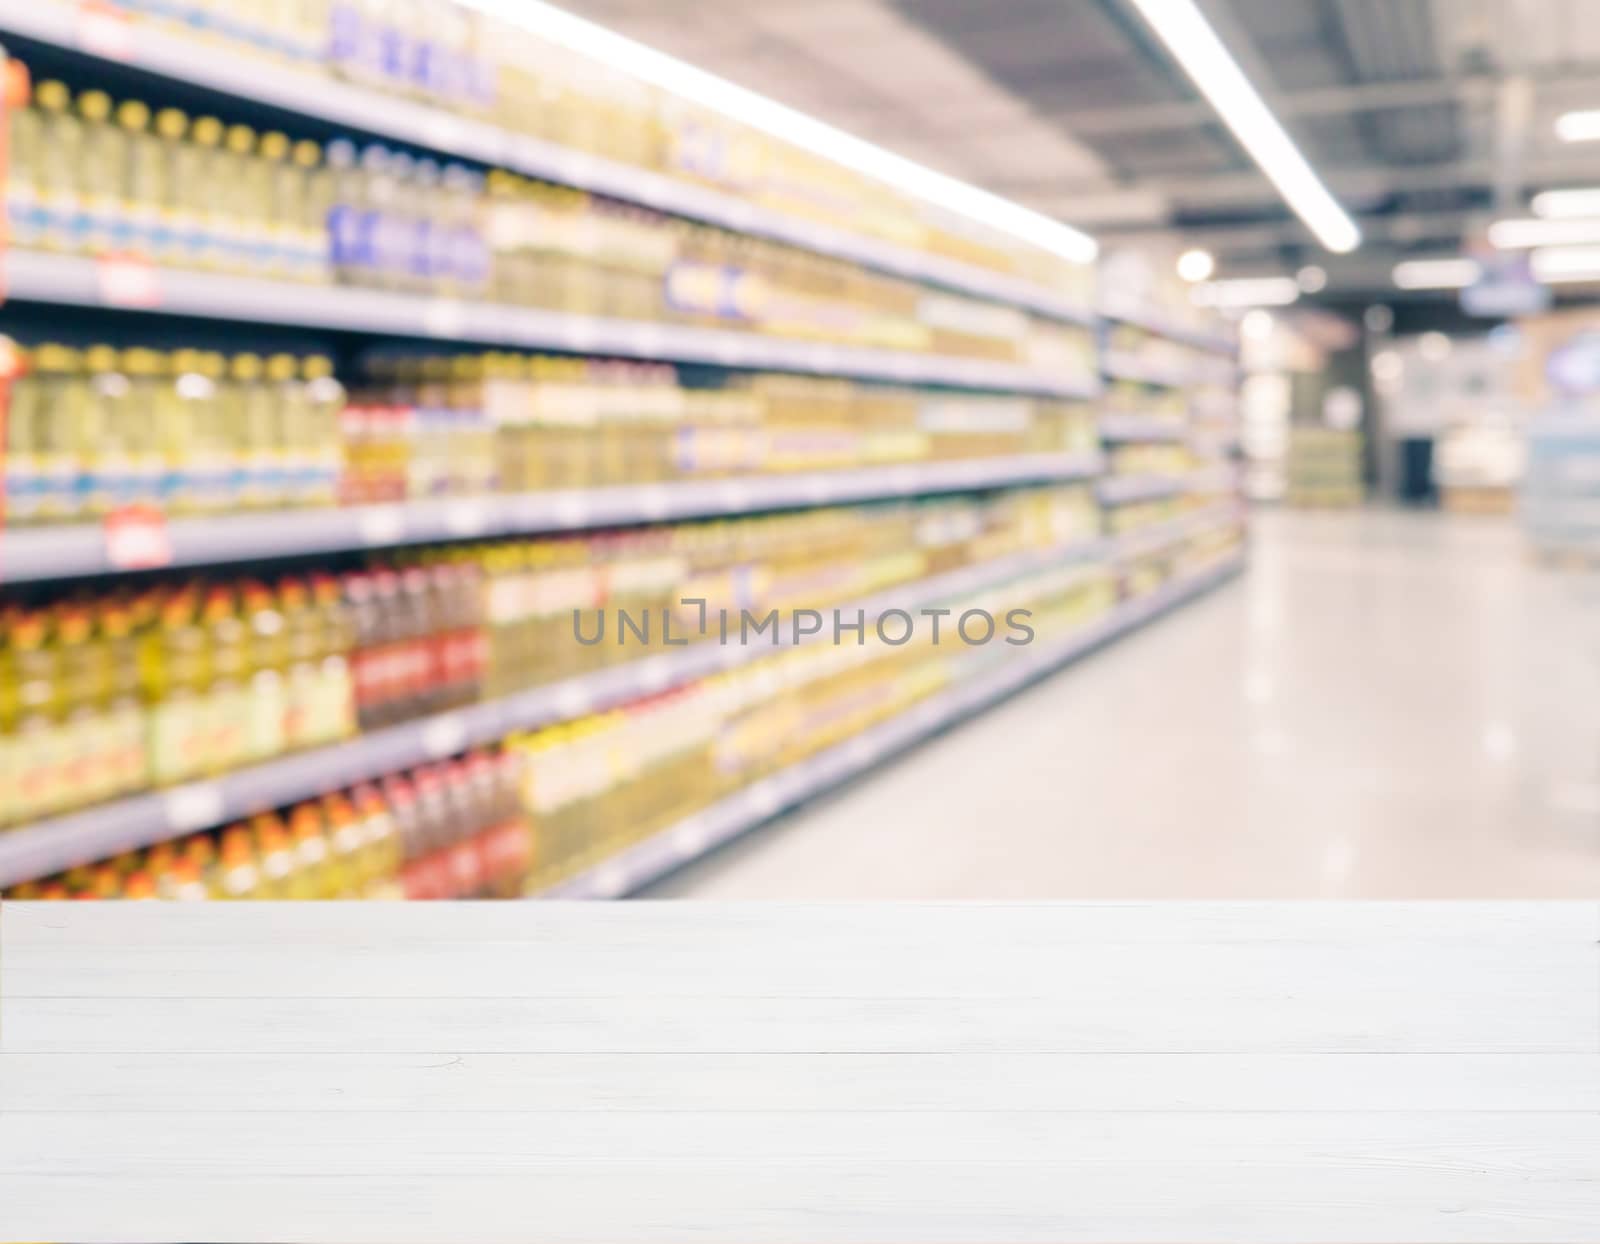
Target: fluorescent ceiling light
(1566,204)
(1557,264)
(1436,273)
(1262,291)
(1522,234)
(1196,265)
(746,107)
(1578,127)
(1195,46)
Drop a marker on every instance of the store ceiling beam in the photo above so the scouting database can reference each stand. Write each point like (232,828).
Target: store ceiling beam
(1477,89)
(1352,182)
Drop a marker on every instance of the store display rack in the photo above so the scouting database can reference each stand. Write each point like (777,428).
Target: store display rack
(73,281)
(704,831)
(98,31)
(58,843)
(43,554)
(35,554)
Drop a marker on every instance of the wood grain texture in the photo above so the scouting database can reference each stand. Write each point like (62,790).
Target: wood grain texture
(700,1074)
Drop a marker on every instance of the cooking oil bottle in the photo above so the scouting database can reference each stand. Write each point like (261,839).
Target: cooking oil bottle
(227,698)
(101,178)
(176,677)
(142,190)
(65,226)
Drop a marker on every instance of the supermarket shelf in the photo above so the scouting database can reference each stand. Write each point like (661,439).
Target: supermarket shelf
(704,831)
(1122,489)
(49,846)
(1141,428)
(264,80)
(1157,536)
(1116,365)
(1164,324)
(38,277)
(39,553)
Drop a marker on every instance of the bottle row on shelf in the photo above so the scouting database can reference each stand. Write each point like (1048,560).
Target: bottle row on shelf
(455,829)
(94,430)
(531,84)
(89,176)
(105,694)
(543,807)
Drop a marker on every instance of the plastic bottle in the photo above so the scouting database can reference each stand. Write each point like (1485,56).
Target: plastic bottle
(59,396)
(335,713)
(227,697)
(325,403)
(143,189)
(313,258)
(60,162)
(144,371)
(178,238)
(82,696)
(106,436)
(24,206)
(124,712)
(38,738)
(176,677)
(206,185)
(269,677)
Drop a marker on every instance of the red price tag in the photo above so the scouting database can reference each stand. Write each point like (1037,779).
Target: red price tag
(128,283)
(137,538)
(104,30)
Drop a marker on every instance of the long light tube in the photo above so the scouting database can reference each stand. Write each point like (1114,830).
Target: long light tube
(1558,264)
(1436,273)
(1578,127)
(1566,204)
(1509,235)
(1195,46)
(747,107)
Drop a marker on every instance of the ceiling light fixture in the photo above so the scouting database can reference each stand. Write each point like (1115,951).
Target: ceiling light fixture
(1524,234)
(1566,204)
(1195,45)
(1556,265)
(1578,127)
(1261,291)
(1436,273)
(585,38)
(1196,265)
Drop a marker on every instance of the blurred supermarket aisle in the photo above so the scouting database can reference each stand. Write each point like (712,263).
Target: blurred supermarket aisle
(1385,706)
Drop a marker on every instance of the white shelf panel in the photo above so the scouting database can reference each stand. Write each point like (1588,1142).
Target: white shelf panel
(29,554)
(236,72)
(704,831)
(1123,489)
(50,846)
(74,281)
(1142,428)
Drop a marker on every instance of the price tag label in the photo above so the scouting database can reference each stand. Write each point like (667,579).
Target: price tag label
(382,524)
(444,736)
(466,518)
(444,317)
(690,838)
(104,30)
(610,881)
(573,700)
(128,283)
(193,807)
(653,501)
(571,510)
(762,800)
(137,538)
(441,130)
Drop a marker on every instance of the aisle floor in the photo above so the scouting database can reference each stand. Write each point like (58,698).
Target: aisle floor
(1384,705)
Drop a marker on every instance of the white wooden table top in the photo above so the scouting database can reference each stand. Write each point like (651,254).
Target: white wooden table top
(800,1074)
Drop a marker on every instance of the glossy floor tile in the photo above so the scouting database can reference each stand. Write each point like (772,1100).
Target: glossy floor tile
(1384,705)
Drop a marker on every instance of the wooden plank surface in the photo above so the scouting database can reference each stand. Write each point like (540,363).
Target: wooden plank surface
(880,1074)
